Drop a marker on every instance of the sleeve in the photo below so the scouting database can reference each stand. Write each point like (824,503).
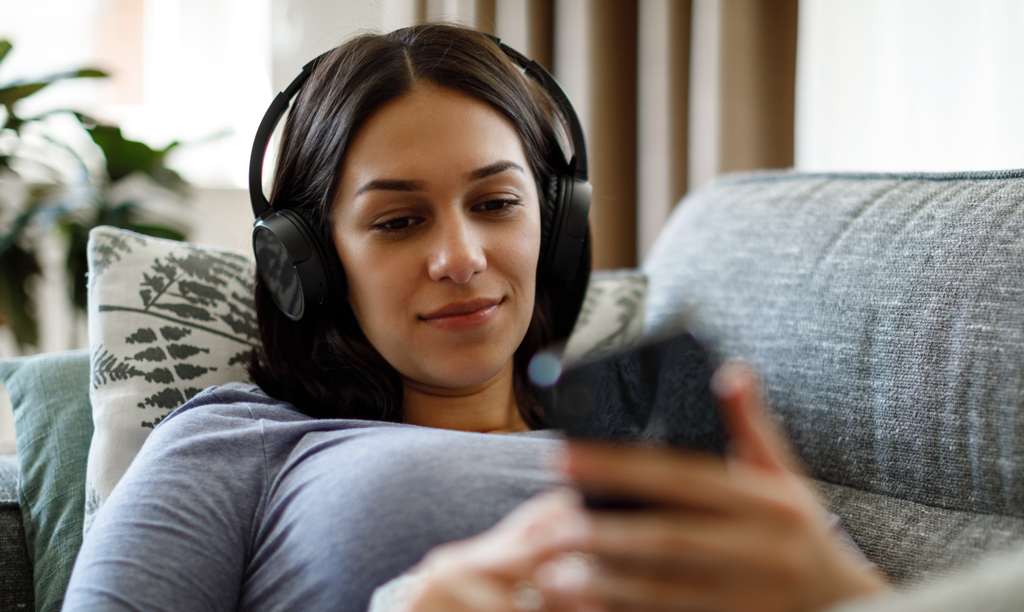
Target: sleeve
(175,532)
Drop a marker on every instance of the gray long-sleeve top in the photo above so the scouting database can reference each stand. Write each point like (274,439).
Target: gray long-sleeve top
(238,501)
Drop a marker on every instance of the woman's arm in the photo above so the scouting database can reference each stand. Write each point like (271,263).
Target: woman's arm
(174,532)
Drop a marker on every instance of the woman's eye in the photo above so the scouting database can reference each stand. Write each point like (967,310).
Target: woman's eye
(497,205)
(395,225)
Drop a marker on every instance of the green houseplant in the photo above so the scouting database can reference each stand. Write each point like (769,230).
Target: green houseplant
(70,199)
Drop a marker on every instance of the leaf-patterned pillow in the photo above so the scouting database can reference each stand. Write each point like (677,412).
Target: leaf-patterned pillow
(166,320)
(612,314)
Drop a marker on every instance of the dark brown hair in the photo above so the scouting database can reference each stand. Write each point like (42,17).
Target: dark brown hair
(323,364)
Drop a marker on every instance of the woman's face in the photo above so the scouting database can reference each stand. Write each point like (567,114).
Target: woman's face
(437,224)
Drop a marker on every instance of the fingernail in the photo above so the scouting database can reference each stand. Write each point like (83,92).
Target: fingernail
(568,575)
(727,381)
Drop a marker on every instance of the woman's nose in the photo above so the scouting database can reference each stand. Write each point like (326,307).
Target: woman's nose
(457,253)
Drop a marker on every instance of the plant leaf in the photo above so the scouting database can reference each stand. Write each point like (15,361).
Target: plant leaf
(5,47)
(12,93)
(125,156)
(17,267)
(78,264)
(169,179)
(78,259)
(81,73)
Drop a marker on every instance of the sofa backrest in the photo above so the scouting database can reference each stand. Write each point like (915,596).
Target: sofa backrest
(886,315)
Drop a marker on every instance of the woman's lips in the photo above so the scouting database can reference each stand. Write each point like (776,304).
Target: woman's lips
(460,315)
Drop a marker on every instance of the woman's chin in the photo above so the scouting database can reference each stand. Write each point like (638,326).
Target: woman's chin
(461,378)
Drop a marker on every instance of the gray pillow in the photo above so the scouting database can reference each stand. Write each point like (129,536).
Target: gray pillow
(53,426)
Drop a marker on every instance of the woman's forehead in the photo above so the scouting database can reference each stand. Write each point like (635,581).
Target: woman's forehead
(428,131)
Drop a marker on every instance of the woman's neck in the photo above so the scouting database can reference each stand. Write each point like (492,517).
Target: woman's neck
(489,407)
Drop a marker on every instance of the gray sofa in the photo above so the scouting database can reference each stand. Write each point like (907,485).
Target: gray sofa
(886,315)
(16,591)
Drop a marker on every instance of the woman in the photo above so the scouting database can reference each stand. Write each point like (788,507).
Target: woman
(428,163)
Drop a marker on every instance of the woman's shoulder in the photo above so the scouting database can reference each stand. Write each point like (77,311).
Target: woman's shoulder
(230,402)
(224,415)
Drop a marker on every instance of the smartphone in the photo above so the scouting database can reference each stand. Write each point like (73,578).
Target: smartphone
(655,392)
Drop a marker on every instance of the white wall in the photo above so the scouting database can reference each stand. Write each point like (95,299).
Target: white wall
(203,68)
(929,85)
(303,29)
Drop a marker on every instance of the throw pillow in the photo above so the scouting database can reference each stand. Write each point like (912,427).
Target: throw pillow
(612,314)
(166,320)
(53,426)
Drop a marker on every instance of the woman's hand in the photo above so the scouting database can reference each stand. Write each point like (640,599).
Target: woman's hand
(744,534)
(491,572)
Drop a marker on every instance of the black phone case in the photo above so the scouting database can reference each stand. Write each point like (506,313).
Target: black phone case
(655,392)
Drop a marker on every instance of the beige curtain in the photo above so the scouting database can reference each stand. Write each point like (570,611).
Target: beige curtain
(672,93)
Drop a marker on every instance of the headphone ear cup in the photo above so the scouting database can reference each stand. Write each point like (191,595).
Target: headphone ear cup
(569,229)
(329,264)
(300,273)
(550,206)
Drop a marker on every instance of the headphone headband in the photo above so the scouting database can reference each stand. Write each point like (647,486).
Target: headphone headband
(260,205)
(578,163)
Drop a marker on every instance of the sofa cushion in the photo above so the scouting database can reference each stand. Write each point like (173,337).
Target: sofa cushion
(991,585)
(53,426)
(914,542)
(886,315)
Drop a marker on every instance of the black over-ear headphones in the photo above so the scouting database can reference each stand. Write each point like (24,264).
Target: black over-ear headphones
(302,273)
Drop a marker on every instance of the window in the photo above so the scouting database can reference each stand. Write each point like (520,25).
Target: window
(910,85)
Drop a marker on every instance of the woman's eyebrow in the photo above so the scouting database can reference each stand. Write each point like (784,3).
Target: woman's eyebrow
(495,168)
(402,185)
(390,185)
